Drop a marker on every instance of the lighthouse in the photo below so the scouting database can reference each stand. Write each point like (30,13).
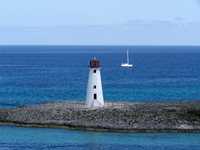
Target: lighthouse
(94,97)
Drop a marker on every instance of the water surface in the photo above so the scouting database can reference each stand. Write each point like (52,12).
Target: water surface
(38,78)
(60,139)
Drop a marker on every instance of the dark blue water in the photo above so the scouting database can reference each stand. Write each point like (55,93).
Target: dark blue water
(38,78)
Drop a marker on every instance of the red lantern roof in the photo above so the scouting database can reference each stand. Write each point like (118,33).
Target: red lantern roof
(94,63)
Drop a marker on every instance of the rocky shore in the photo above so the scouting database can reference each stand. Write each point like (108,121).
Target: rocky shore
(128,117)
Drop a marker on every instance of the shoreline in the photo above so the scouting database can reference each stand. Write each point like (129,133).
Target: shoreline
(51,126)
(173,117)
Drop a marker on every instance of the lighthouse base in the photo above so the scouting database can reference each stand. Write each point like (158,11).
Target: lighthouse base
(94,104)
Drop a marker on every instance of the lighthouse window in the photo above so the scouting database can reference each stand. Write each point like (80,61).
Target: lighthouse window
(95,96)
(95,71)
(94,87)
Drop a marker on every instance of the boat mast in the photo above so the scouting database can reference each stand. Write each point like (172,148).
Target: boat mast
(127,56)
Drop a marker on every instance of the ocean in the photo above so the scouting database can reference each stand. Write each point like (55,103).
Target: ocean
(12,138)
(40,74)
(32,78)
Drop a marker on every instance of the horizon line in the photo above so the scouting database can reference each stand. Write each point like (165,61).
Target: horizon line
(142,45)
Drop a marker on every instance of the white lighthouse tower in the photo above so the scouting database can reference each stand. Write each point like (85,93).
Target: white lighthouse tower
(94,88)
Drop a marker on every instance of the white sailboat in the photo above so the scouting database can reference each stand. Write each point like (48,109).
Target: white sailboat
(127,65)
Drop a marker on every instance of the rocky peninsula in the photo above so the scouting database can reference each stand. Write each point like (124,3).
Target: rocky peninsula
(127,117)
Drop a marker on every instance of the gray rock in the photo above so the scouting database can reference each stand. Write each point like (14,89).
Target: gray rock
(134,117)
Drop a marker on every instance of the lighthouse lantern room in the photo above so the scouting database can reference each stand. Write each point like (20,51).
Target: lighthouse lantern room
(94,96)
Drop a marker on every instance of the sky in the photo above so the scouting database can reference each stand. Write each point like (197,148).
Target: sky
(102,22)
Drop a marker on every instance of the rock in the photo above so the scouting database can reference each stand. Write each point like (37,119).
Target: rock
(134,117)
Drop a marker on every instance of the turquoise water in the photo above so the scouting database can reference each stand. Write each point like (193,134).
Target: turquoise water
(61,139)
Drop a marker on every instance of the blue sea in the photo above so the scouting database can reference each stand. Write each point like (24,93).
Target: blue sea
(12,138)
(40,74)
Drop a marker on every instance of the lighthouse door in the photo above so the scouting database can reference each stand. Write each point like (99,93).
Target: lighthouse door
(95,96)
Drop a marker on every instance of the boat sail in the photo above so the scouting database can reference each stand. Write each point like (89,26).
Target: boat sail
(127,65)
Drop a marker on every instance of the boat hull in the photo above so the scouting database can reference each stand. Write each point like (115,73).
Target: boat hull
(127,65)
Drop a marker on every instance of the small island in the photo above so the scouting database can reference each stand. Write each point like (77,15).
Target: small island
(121,117)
